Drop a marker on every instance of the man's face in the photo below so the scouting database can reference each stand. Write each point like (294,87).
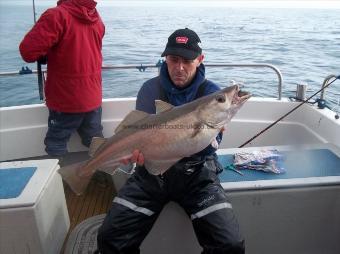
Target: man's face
(182,71)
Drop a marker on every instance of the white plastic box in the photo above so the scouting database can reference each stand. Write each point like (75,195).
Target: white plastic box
(35,221)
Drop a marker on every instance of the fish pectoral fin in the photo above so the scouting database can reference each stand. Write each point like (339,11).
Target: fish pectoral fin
(162,106)
(197,129)
(95,144)
(130,119)
(159,167)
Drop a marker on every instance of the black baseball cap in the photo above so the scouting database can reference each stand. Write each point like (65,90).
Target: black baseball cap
(184,43)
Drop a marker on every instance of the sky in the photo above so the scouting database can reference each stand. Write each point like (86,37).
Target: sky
(242,3)
(203,3)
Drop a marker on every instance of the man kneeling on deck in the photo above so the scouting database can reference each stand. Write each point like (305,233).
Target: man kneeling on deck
(192,182)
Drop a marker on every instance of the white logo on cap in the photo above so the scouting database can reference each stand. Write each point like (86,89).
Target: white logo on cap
(182,39)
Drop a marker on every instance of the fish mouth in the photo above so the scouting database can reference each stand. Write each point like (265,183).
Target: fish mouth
(240,96)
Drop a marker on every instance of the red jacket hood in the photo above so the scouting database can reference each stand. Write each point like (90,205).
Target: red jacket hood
(84,10)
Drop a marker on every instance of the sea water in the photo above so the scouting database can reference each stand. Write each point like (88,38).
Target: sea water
(303,42)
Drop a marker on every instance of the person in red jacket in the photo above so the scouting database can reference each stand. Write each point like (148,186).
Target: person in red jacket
(70,36)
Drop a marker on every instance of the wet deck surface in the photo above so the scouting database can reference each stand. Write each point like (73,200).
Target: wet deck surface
(96,200)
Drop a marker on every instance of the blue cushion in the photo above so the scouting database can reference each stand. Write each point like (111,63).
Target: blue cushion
(14,180)
(298,164)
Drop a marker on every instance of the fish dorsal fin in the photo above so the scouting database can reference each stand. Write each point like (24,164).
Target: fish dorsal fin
(131,118)
(95,144)
(162,106)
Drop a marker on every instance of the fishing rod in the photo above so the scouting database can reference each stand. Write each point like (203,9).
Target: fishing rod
(39,71)
(295,108)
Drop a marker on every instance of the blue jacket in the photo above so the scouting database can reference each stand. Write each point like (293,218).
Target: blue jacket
(150,91)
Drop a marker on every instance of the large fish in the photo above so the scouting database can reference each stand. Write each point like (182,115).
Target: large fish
(163,138)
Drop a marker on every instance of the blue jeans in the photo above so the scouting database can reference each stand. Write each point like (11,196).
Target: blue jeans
(61,125)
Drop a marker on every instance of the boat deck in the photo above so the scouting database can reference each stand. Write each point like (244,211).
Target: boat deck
(96,200)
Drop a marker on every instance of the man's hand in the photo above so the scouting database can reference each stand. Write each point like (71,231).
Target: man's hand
(137,157)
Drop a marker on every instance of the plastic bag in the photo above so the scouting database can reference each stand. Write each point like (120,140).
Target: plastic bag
(265,160)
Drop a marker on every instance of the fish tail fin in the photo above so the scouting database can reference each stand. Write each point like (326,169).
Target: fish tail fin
(70,175)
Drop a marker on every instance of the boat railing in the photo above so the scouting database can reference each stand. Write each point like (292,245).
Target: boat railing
(142,68)
(325,83)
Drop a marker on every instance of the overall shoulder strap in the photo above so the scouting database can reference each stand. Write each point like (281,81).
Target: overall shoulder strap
(162,95)
(201,89)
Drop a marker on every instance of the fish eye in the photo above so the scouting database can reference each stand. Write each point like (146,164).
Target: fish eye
(220,98)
